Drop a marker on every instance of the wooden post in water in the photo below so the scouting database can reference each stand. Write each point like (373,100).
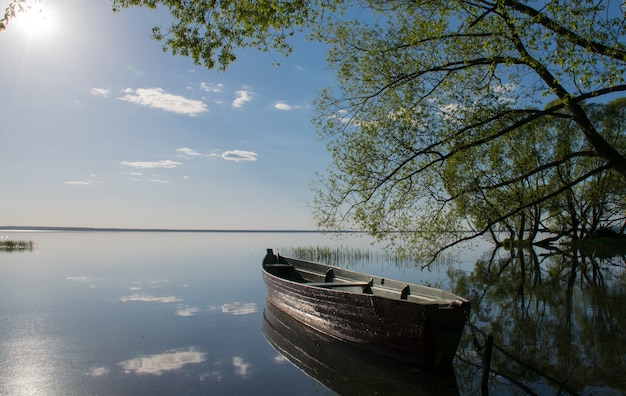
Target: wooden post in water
(484,383)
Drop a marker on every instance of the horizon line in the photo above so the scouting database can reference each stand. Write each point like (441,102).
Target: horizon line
(116,229)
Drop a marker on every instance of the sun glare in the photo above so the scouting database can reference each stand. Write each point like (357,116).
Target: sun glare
(36,21)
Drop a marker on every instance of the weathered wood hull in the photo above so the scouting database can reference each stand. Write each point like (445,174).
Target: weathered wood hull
(403,321)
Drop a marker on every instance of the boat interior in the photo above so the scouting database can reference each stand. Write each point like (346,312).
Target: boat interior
(318,275)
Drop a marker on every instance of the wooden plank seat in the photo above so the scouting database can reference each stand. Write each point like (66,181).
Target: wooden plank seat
(278,266)
(339,284)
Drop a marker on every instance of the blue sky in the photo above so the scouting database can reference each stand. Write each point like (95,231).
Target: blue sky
(101,128)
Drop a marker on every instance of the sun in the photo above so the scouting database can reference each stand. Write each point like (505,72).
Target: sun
(36,20)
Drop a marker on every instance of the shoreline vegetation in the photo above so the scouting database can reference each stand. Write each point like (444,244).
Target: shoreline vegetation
(16,246)
(348,257)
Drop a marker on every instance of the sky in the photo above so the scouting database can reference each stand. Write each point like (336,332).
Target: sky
(101,128)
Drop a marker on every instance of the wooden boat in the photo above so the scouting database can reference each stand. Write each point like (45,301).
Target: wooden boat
(409,322)
(345,369)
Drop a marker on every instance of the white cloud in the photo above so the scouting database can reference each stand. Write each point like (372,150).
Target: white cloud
(213,88)
(78,183)
(158,363)
(158,98)
(100,91)
(280,105)
(239,155)
(505,92)
(187,152)
(159,181)
(152,164)
(243,97)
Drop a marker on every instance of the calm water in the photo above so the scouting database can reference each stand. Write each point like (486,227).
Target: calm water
(183,314)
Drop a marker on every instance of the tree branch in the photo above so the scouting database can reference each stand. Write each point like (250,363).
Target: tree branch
(545,21)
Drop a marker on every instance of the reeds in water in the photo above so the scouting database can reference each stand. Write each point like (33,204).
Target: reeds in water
(16,246)
(342,256)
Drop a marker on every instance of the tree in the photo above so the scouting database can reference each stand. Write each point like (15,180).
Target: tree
(598,202)
(210,32)
(509,178)
(435,82)
(580,210)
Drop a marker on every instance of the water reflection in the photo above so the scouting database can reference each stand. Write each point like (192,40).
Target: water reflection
(187,311)
(159,363)
(79,279)
(241,366)
(98,371)
(557,319)
(34,361)
(346,369)
(238,308)
(150,298)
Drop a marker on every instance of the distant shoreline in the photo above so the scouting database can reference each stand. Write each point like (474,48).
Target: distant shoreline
(97,229)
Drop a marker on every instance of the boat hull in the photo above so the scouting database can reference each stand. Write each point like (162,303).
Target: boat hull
(424,334)
(346,369)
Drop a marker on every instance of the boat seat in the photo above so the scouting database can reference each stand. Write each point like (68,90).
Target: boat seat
(339,284)
(278,266)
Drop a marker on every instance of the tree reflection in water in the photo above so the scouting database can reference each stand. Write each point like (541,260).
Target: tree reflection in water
(557,319)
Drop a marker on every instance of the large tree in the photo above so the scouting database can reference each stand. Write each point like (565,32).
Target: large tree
(430,83)
(521,178)
(420,83)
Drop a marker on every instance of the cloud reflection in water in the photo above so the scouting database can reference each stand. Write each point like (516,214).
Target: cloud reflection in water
(149,298)
(80,279)
(238,308)
(98,371)
(235,308)
(159,363)
(187,311)
(241,367)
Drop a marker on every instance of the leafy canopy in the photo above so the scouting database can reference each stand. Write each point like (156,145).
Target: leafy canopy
(431,94)
(210,32)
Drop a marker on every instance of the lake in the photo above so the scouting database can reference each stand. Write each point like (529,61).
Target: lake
(173,313)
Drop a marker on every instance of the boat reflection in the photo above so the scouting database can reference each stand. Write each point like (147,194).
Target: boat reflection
(346,369)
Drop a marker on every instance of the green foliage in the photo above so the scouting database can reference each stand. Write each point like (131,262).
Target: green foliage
(438,120)
(210,32)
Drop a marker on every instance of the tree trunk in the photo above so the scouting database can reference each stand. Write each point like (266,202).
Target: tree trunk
(604,149)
